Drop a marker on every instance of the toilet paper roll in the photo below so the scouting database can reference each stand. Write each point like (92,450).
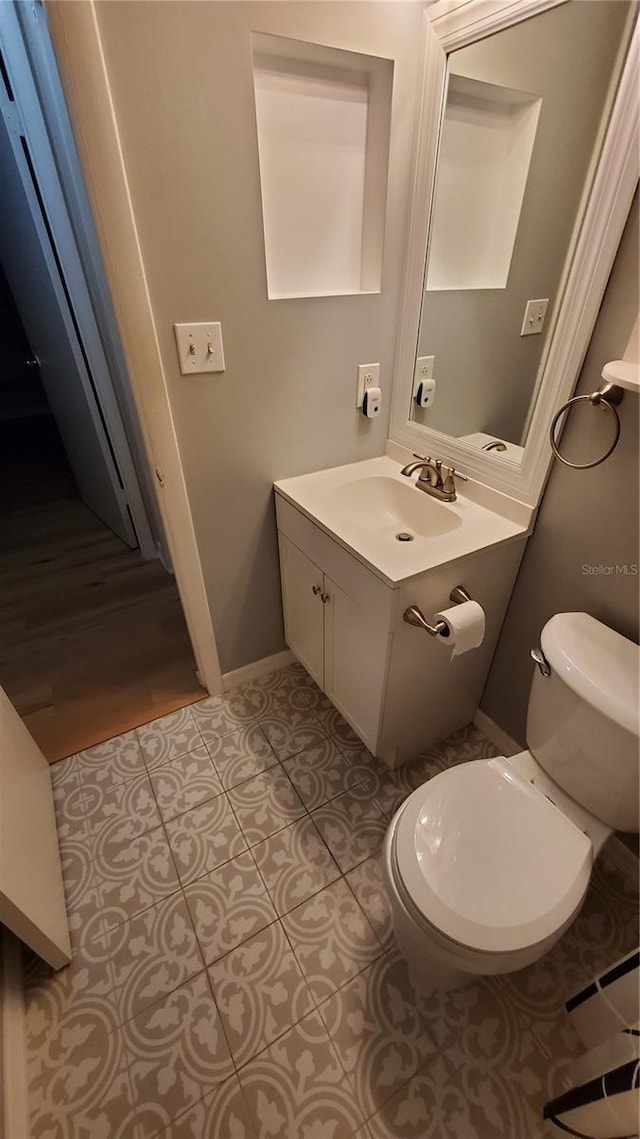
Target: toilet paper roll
(466,625)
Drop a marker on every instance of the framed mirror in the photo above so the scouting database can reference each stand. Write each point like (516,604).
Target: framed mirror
(527,164)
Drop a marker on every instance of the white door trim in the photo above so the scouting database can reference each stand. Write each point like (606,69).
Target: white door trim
(110,375)
(13,1051)
(45,199)
(76,38)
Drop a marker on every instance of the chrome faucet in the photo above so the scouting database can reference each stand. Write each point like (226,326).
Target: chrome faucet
(431,480)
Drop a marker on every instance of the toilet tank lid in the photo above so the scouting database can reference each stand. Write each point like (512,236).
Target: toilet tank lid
(600,666)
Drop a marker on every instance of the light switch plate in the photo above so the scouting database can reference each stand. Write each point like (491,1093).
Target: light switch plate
(534,314)
(368,377)
(200,347)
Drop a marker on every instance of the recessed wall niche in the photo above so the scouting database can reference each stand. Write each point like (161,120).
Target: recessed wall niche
(323,118)
(485,153)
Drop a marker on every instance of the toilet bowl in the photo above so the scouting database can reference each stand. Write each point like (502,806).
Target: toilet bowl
(488,863)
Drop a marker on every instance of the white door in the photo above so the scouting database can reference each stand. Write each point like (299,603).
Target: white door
(302,591)
(31,265)
(355,662)
(31,890)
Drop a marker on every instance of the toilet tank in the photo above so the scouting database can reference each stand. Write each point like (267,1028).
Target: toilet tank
(583,719)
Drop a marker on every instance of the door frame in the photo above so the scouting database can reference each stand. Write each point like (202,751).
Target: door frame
(33,24)
(44,197)
(80,59)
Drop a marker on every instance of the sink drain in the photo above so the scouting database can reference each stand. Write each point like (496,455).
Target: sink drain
(403,536)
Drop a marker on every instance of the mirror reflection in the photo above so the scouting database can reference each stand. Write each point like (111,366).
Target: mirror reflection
(521,127)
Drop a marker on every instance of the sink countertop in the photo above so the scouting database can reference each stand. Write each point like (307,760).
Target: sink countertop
(363,505)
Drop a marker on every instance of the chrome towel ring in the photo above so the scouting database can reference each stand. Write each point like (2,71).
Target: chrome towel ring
(608,396)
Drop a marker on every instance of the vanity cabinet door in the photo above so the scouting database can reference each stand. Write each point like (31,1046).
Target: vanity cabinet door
(302,592)
(355,662)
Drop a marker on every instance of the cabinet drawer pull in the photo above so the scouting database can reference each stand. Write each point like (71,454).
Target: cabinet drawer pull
(316,589)
(324,597)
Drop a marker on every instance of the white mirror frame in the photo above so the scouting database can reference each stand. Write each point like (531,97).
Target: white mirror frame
(449,25)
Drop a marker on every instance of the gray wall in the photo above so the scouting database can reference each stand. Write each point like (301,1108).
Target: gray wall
(182,86)
(586,517)
(485,370)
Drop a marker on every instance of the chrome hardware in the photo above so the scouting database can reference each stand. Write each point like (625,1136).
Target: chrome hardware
(431,479)
(543,664)
(610,393)
(495,445)
(411,468)
(459,595)
(32,362)
(316,589)
(449,486)
(607,396)
(414,616)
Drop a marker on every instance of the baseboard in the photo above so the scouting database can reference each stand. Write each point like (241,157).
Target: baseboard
(257,669)
(13,1052)
(614,851)
(503,741)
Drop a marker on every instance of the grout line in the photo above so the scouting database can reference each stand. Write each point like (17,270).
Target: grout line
(313,895)
(358,972)
(308,812)
(239,1067)
(386,951)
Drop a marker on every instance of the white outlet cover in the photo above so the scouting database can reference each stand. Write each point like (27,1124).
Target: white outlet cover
(424,368)
(368,377)
(534,314)
(200,347)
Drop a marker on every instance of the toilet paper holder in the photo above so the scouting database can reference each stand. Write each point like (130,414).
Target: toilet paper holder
(414,616)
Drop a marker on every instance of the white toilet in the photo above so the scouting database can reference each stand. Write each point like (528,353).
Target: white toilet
(488,863)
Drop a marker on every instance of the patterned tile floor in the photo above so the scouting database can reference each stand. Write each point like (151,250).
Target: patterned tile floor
(234,972)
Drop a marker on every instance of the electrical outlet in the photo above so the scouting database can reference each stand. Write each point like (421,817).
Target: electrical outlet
(533,320)
(368,377)
(422,371)
(200,347)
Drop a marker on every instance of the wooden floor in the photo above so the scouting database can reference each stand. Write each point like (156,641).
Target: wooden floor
(92,637)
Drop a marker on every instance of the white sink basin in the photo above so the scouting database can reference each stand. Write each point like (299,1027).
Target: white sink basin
(385,506)
(366,506)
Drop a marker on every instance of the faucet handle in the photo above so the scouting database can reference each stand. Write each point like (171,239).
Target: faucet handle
(449,484)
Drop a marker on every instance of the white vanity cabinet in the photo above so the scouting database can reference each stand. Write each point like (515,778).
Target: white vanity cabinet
(396,686)
(302,598)
(341,639)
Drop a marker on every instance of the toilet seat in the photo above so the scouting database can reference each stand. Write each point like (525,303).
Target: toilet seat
(488,859)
